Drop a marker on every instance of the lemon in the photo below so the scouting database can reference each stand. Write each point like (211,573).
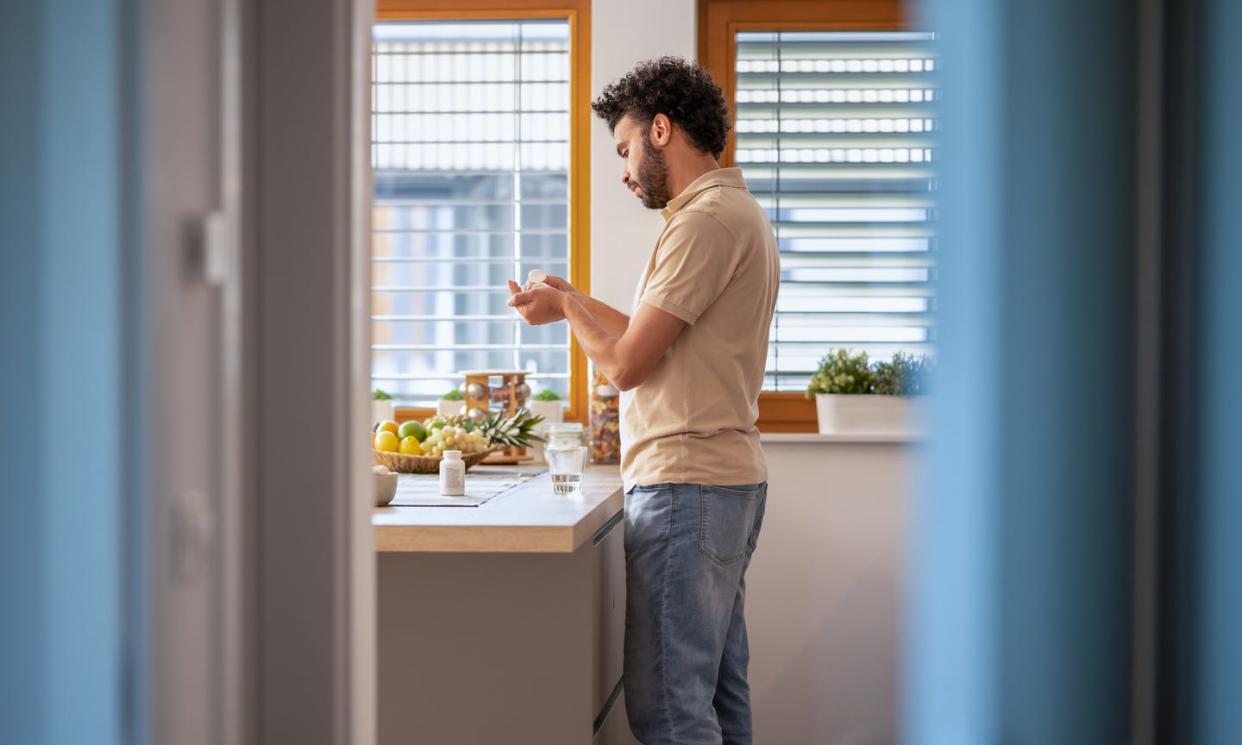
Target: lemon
(387,425)
(386,441)
(413,429)
(410,445)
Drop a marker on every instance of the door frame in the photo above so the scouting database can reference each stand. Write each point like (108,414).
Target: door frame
(308,174)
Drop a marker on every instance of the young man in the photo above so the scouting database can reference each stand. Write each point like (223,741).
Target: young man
(690,362)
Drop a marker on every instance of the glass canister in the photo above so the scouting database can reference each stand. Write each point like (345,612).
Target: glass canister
(605,419)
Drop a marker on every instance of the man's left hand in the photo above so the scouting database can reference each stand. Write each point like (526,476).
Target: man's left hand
(539,304)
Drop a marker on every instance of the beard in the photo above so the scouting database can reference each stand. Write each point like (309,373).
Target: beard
(653,177)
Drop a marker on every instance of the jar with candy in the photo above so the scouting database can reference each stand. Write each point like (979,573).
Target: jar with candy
(605,419)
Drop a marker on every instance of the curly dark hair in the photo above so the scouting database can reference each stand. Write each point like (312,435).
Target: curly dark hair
(677,88)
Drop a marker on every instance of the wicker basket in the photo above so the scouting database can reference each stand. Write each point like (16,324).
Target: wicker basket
(402,463)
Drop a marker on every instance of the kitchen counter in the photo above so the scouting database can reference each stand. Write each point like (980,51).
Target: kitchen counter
(504,622)
(527,518)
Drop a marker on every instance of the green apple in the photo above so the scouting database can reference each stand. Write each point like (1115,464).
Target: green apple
(413,429)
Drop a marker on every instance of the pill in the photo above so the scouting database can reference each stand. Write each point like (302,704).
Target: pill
(536,275)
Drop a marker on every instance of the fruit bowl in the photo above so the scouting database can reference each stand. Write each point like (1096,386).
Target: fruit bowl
(402,463)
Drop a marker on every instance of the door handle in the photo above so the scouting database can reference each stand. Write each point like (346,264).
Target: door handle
(193,533)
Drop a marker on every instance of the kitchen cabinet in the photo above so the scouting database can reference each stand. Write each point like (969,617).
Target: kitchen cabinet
(504,623)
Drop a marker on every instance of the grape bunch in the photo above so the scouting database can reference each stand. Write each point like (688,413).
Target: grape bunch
(450,437)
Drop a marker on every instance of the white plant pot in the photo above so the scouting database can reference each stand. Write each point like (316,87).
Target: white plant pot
(380,411)
(865,414)
(450,408)
(553,412)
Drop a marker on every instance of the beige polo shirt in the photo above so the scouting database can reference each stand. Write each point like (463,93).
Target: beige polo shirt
(716,266)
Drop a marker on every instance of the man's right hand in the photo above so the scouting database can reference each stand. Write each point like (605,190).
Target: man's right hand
(613,320)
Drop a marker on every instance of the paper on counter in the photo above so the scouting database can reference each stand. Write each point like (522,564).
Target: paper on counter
(423,490)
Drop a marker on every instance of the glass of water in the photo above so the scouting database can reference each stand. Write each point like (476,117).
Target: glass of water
(566,452)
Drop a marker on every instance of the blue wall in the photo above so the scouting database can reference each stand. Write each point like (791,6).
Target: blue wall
(22,677)
(1218,663)
(1019,603)
(63,436)
(1020,610)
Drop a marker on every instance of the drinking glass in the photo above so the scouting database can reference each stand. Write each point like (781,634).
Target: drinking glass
(566,452)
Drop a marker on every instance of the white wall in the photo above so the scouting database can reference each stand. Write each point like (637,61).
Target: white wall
(824,594)
(623,232)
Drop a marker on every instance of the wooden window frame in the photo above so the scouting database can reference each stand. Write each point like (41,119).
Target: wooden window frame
(578,14)
(719,21)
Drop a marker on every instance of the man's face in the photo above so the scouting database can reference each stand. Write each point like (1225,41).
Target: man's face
(645,174)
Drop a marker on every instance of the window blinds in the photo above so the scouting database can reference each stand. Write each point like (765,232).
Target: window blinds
(469,133)
(834,134)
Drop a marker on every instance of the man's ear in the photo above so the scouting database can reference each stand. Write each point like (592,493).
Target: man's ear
(661,130)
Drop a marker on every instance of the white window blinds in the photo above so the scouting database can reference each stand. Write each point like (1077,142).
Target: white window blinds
(469,133)
(835,138)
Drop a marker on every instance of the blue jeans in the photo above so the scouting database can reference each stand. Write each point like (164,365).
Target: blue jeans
(687,547)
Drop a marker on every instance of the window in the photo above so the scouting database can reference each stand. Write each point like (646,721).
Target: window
(471,132)
(834,135)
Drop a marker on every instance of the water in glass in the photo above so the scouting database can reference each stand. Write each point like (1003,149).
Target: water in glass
(566,464)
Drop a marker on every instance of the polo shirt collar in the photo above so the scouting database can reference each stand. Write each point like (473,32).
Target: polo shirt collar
(718,177)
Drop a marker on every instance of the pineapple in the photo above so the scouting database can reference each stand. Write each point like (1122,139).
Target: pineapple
(513,431)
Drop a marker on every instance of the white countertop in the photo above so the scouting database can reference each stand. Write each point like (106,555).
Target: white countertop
(528,518)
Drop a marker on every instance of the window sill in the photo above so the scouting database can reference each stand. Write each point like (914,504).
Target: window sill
(807,438)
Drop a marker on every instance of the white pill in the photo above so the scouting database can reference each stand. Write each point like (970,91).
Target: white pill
(536,275)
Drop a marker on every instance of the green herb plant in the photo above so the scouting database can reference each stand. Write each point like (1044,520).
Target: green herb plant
(547,394)
(902,376)
(842,372)
(453,395)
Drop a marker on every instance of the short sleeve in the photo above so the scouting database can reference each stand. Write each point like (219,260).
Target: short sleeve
(694,262)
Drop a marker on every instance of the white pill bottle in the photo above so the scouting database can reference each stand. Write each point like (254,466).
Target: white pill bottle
(452,474)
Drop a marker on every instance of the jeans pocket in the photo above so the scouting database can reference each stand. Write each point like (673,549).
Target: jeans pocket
(648,510)
(727,521)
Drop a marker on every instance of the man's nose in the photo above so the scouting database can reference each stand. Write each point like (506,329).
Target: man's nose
(625,178)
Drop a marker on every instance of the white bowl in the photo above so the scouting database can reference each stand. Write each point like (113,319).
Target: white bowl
(385,485)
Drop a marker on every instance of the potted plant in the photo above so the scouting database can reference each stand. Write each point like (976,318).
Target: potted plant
(381,406)
(852,395)
(550,405)
(451,403)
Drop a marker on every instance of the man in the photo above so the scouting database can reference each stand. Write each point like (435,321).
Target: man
(690,362)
